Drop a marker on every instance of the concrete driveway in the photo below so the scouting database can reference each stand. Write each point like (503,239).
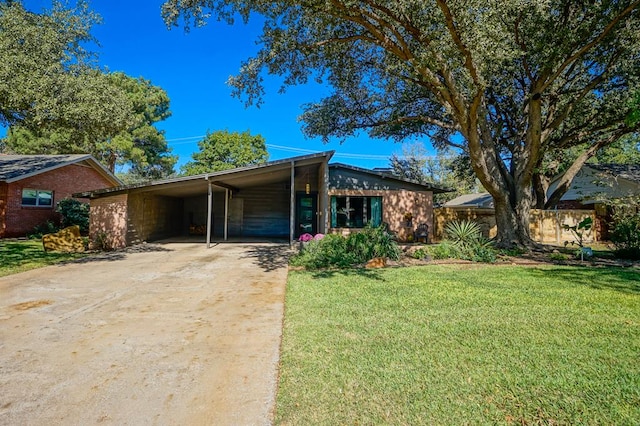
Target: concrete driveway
(166,334)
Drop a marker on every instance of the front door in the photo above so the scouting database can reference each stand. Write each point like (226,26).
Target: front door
(306,213)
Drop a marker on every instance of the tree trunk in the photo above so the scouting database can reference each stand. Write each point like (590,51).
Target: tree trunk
(540,187)
(513,223)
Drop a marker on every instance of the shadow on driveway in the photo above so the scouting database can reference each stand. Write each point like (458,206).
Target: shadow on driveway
(112,256)
(269,257)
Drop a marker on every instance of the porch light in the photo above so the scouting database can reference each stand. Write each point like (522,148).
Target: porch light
(307,188)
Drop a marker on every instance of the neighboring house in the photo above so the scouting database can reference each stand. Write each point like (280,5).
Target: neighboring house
(31,185)
(482,200)
(281,199)
(594,186)
(474,207)
(591,188)
(596,183)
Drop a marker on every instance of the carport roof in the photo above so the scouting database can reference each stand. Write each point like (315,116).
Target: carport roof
(242,177)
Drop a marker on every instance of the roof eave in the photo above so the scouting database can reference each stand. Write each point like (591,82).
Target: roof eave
(430,187)
(207,176)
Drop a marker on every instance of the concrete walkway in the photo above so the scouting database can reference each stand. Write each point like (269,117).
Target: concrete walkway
(168,334)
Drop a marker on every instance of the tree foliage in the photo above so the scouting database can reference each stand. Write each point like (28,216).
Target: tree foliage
(56,102)
(446,169)
(506,81)
(46,77)
(223,150)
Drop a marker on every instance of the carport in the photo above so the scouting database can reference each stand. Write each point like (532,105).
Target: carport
(279,199)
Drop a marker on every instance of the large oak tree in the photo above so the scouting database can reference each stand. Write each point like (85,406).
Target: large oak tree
(56,101)
(508,81)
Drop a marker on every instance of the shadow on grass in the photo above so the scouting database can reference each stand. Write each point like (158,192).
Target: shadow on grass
(372,274)
(625,280)
(269,257)
(23,255)
(18,254)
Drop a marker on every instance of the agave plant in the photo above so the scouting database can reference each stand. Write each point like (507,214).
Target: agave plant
(463,232)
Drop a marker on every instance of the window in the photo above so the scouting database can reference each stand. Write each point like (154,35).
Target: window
(37,198)
(355,212)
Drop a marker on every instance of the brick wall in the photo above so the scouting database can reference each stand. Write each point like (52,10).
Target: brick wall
(545,226)
(152,217)
(395,205)
(108,222)
(3,205)
(20,220)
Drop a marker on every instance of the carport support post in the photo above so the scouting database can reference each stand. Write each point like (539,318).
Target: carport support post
(209,208)
(292,202)
(226,213)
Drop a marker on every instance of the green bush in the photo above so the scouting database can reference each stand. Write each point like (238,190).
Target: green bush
(559,257)
(445,250)
(327,252)
(374,242)
(74,212)
(47,227)
(420,253)
(341,252)
(482,251)
(625,235)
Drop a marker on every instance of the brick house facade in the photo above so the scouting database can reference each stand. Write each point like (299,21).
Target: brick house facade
(52,178)
(281,199)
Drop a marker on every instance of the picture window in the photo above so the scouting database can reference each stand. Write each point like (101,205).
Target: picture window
(37,198)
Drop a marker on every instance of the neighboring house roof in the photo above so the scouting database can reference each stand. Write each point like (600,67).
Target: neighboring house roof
(385,174)
(17,167)
(595,182)
(481,200)
(625,171)
(232,178)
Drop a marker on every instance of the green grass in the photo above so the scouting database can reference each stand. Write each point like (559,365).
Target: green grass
(20,256)
(462,345)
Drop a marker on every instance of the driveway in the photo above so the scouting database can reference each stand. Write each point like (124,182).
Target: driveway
(165,334)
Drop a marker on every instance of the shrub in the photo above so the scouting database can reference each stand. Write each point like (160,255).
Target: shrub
(102,242)
(420,253)
(47,227)
(337,251)
(326,252)
(558,257)
(483,251)
(625,235)
(374,242)
(74,212)
(445,250)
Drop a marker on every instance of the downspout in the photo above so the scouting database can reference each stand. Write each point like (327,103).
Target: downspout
(209,210)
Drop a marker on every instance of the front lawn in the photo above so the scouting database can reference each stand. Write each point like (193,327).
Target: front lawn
(19,256)
(462,345)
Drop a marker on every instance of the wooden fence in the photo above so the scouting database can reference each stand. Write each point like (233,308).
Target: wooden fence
(546,226)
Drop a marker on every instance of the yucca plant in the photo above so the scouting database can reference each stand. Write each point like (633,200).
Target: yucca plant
(463,232)
(467,237)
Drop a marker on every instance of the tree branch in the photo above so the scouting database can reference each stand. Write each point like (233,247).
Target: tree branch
(607,29)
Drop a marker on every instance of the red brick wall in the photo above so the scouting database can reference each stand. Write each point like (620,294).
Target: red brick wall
(3,205)
(20,220)
(108,223)
(395,204)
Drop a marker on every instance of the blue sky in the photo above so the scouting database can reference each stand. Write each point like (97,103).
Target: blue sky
(193,69)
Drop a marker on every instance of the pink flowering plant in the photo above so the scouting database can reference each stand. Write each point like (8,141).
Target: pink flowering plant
(306,237)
